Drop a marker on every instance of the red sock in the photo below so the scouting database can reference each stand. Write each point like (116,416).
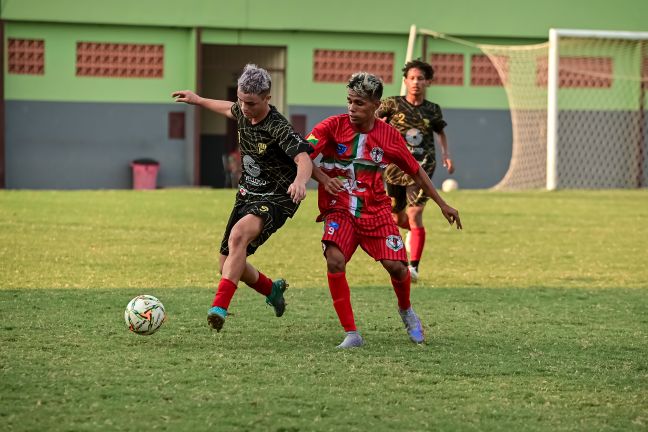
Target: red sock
(263,285)
(224,293)
(341,296)
(417,241)
(402,290)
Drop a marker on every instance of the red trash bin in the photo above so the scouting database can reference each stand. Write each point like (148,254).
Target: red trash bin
(145,173)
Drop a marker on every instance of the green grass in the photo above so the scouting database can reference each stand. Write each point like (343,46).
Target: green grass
(536,316)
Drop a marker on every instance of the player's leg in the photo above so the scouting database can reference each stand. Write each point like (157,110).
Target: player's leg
(242,234)
(233,263)
(401,282)
(383,243)
(416,200)
(274,218)
(398,197)
(339,243)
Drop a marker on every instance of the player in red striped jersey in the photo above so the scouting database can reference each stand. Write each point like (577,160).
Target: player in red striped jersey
(355,148)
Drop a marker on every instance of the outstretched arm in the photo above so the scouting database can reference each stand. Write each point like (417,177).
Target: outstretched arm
(424,182)
(297,189)
(218,106)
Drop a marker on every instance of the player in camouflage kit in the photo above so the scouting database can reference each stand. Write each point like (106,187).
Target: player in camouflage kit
(355,148)
(417,119)
(276,167)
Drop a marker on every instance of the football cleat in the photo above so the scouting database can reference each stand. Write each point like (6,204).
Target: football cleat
(412,325)
(216,317)
(276,298)
(352,340)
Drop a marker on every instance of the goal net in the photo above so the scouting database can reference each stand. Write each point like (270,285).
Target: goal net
(578,109)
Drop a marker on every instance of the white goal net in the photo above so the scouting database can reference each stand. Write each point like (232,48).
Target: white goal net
(578,109)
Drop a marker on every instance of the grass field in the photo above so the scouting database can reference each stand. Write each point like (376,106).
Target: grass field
(536,317)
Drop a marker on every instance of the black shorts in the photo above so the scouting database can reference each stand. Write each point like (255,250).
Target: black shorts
(410,195)
(406,196)
(273,219)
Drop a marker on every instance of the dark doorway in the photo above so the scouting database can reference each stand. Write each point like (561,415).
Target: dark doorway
(221,67)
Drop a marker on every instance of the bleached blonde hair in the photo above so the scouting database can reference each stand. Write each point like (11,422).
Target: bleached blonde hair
(366,85)
(254,80)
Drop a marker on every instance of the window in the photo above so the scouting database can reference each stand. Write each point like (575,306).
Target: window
(339,65)
(100,59)
(26,56)
(448,69)
(483,73)
(578,72)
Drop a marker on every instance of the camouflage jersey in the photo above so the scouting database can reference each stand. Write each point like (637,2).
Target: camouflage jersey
(267,152)
(416,124)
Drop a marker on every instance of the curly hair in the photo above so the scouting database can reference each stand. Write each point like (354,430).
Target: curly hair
(366,85)
(254,80)
(426,68)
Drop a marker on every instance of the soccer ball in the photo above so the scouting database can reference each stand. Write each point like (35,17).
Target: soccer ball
(144,315)
(449,185)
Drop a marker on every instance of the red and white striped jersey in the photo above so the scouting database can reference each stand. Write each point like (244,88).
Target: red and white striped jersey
(358,159)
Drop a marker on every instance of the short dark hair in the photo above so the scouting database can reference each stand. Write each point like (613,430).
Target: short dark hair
(426,68)
(366,85)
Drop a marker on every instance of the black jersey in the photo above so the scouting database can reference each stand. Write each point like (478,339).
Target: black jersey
(416,124)
(267,152)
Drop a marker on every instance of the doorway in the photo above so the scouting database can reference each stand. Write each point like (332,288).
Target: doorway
(221,67)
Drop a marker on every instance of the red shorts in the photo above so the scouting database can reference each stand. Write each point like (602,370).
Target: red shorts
(378,236)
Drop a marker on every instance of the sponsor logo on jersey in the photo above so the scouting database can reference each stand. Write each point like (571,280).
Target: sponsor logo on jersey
(341,149)
(394,242)
(330,227)
(255,181)
(377,154)
(242,191)
(250,166)
(414,137)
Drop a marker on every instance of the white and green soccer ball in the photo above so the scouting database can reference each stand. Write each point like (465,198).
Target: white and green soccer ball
(144,315)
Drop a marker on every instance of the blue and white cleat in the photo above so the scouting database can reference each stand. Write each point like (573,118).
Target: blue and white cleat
(413,325)
(352,340)
(276,298)
(216,317)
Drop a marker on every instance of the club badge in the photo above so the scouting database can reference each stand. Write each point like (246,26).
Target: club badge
(377,154)
(394,242)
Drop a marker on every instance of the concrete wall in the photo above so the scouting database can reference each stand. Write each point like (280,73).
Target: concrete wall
(67,145)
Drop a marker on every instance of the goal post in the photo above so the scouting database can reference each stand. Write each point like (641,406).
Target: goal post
(621,86)
(577,104)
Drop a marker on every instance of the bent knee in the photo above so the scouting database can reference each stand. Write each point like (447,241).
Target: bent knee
(335,262)
(396,269)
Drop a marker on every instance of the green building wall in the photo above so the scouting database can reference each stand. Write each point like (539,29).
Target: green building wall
(60,83)
(479,123)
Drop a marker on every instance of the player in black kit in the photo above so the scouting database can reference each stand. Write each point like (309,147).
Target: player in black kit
(418,120)
(276,167)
